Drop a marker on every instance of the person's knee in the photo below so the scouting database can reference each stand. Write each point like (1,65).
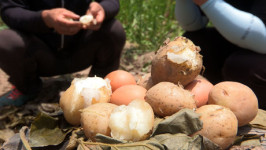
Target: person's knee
(242,65)
(10,42)
(116,32)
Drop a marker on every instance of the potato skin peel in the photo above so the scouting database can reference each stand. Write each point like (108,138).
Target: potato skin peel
(163,69)
(82,93)
(67,102)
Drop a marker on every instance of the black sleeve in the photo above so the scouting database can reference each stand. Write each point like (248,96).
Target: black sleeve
(111,7)
(16,15)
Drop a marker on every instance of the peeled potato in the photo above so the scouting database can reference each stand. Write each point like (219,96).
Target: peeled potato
(237,97)
(178,61)
(219,124)
(166,98)
(82,93)
(95,119)
(87,19)
(133,122)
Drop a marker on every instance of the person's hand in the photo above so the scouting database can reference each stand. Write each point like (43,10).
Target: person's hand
(62,21)
(199,2)
(97,11)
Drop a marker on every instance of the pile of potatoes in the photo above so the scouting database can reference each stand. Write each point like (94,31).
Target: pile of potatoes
(174,83)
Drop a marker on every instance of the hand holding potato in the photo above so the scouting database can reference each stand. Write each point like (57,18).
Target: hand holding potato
(97,11)
(61,20)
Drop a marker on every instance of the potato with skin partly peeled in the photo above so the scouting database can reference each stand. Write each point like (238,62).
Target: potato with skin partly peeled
(87,19)
(133,122)
(178,61)
(82,93)
(167,98)
(219,124)
(95,119)
(237,97)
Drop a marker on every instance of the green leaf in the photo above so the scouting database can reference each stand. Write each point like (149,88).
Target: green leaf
(45,131)
(185,121)
(177,141)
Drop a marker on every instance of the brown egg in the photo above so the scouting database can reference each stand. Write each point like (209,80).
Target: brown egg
(120,78)
(125,94)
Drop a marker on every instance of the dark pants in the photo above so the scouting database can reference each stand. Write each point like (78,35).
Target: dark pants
(26,58)
(224,61)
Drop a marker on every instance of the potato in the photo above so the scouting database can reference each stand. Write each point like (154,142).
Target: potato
(145,81)
(178,61)
(133,122)
(87,19)
(200,88)
(95,119)
(238,97)
(219,124)
(83,92)
(166,98)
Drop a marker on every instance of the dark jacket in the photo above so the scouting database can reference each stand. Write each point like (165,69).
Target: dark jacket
(25,15)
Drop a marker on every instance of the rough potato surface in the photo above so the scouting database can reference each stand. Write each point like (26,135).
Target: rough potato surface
(219,124)
(180,70)
(237,97)
(95,119)
(167,98)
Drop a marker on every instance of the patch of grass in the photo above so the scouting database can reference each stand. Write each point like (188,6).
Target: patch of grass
(2,25)
(148,23)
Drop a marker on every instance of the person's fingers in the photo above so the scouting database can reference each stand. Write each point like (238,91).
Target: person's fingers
(71,15)
(100,17)
(94,8)
(97,11)
(65,22)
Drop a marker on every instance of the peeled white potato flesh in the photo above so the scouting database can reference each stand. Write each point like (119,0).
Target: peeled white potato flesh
(92,90)
(82,93)
(87,19)
(180,55)
(133,122)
